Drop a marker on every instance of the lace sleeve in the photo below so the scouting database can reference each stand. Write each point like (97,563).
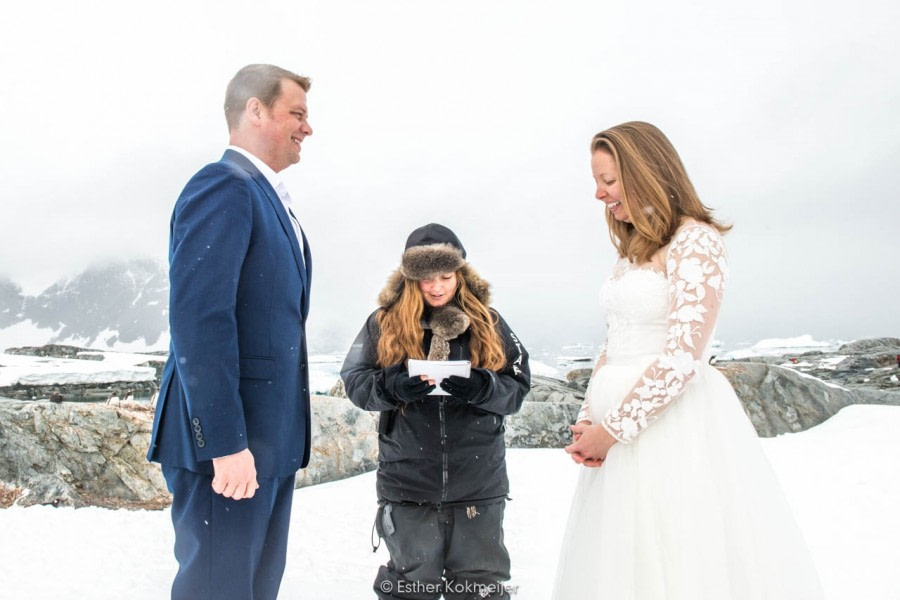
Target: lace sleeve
(584,414)
(696,269)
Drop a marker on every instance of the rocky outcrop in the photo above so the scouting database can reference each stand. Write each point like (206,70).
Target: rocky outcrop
(541,425)
(543,422)
(83,454)
(784,400)
(872,346)
(779,400)
(76,454)
(547,389)
(53,351)
(780,394)
(345,441)
(866,364)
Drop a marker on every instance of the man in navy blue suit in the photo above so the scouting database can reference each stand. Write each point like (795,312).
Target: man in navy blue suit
(232,422)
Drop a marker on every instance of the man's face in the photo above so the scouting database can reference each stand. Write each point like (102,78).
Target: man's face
(285,126)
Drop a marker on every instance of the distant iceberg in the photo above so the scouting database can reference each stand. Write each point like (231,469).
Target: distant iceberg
(782,346)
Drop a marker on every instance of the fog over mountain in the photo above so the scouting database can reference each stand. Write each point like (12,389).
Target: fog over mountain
(113,305)
(477,115)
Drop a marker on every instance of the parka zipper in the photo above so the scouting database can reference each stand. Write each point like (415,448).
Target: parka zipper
(444,458)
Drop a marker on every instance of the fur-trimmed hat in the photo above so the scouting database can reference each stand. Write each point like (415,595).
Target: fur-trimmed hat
(430,250)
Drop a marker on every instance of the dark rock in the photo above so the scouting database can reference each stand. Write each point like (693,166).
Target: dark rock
(78,455)
(82,454)
(782,400)
(338,391)
(50,350)
(157,364)
(541,425)
(871,346)
(579,377)
(767,360)
(345,441)
(858,362)
(548,389)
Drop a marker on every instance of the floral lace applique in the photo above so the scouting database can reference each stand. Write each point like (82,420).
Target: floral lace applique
(696,269)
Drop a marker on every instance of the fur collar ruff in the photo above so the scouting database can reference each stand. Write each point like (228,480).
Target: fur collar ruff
(447,323)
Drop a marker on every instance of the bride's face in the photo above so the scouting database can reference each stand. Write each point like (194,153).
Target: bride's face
(609,192)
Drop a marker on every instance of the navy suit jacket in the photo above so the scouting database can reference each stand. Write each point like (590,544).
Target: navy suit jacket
(237,374)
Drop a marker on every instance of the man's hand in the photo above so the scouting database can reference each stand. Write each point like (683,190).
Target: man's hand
(590,444)
(235,475)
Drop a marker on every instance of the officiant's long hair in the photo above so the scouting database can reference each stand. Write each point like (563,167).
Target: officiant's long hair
(656,190)
(400,320)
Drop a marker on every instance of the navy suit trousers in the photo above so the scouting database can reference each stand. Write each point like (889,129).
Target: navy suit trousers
(228,549)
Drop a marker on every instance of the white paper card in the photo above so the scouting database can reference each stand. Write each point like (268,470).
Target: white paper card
(439,370)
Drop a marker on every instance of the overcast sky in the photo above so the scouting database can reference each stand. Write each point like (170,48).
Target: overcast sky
(477,115)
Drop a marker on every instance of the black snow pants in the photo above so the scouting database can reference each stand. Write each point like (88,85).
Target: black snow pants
(456,551)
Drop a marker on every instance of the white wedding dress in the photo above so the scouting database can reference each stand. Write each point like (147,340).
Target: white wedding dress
(686,505)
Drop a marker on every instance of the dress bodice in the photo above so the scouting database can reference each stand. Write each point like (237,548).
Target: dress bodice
(635,302)
(665,320)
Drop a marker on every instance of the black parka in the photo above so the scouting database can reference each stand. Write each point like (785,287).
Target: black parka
(440,450)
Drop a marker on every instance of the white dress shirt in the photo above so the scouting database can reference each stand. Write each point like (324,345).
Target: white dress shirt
(281,189)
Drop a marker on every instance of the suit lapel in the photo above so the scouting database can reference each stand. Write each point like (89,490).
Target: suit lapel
(307,282)
(283,218)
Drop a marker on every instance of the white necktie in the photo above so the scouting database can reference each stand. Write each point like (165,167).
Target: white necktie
(287,200)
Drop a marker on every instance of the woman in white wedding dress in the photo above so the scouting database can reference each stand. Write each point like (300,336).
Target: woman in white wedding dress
(676,499)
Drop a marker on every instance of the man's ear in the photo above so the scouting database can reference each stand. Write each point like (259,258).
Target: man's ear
(253,110)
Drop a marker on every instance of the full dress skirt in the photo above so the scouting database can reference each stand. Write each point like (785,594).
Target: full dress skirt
(690,509)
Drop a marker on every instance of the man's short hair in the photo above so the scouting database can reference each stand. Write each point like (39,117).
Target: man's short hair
(256,81)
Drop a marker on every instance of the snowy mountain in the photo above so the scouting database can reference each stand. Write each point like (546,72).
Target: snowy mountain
(117,304)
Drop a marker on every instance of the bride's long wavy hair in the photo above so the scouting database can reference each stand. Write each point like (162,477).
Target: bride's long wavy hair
(402,333)
(656,190)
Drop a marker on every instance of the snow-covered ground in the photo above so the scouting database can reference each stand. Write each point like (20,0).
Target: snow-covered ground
(841,477)
(38,370)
